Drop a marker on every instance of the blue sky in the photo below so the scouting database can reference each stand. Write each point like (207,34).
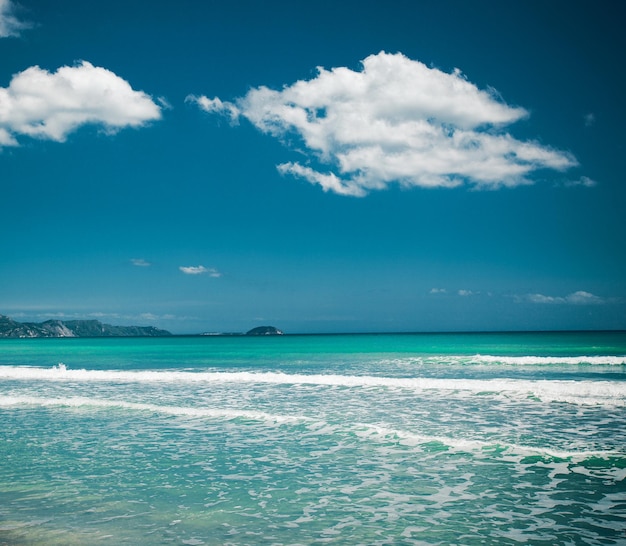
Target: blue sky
(321,167)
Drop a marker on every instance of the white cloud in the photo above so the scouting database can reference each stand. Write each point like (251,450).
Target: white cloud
(6,139)
(216,106)
(140,262)
(114,317)
(465,293)
(590,119)
(575,298)
(49,105)
(540,298)
(438,291)
(396,120)
(9,24)
(200,270)
(583,181)
(582,297)
(328,181)
(165,104)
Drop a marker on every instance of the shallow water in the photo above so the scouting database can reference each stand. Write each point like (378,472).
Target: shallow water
(382,439)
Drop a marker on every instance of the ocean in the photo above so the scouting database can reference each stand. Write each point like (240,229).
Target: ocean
(321,439)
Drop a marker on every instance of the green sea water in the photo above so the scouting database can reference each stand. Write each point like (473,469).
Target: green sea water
(339,439)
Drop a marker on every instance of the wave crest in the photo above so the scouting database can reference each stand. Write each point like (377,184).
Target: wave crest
(585,392)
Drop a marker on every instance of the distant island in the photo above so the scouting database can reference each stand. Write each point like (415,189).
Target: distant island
(258,331)
(94,328)
(264,331)
(74,328)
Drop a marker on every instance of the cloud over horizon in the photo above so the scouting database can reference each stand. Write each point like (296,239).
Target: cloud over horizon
(46,105)
(395,121)
(575,298)
(97,315)
(465,293)
(200,270)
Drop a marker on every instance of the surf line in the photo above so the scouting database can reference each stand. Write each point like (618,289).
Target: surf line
(569,391)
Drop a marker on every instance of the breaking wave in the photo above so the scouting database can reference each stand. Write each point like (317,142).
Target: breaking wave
(585,392)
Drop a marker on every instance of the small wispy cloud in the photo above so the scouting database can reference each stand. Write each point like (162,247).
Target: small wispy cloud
(575,298)
(216,106)
(583,181)
(165,104)
(51,105)
(60,315)
(153,317)
(140,262)
(437,291)
(200,270)
(10,25)
(590,119)
(466,293)
(102,316)
(395,121)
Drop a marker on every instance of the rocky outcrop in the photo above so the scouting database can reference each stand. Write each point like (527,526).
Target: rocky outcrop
(74,328)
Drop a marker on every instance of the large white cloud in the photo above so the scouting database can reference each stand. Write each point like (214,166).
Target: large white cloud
(396,120)
(49,105)
(9,24)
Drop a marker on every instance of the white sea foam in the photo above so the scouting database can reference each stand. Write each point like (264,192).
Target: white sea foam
(474,444)
(584,392)
(577,392)
(478,359)
(545,360)
(365,431)
(77,402)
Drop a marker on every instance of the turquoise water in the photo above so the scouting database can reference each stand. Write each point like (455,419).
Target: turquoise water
(364,439)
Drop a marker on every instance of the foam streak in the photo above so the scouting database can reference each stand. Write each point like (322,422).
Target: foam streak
(362,430)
